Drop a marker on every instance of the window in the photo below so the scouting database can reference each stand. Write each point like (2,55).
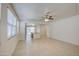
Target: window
(11,24)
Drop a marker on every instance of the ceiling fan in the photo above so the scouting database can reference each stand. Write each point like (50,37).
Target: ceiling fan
(47,17)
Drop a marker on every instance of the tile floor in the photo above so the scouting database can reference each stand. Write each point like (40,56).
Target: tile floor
(45,47)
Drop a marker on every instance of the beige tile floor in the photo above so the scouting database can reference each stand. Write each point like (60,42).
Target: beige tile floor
(46,47)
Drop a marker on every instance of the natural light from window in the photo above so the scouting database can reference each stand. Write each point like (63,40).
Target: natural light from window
(11,24)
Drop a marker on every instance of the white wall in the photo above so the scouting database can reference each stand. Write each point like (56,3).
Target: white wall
(7,46)
(0,11)
(43,30)
(65,30)
(22,30)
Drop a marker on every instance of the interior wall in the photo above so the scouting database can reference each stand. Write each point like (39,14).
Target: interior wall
(22,30)
(0,11)
(43,31)
(65,30)
(0,20)
(7,46)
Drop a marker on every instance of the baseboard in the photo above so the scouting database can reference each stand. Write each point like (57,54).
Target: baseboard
(64,41)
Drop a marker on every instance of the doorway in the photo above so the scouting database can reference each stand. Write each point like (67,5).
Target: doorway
(29,31)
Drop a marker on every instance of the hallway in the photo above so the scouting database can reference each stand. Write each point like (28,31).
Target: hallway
(45,47)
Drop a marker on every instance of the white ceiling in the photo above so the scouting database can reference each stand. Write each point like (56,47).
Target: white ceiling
(33,11)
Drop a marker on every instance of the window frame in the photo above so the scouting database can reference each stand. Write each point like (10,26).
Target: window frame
(11,25)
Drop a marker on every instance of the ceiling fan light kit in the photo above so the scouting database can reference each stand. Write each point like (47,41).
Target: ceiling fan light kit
(46,20)
(47,17)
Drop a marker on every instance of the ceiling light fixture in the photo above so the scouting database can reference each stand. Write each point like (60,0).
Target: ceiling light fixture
(46,20)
